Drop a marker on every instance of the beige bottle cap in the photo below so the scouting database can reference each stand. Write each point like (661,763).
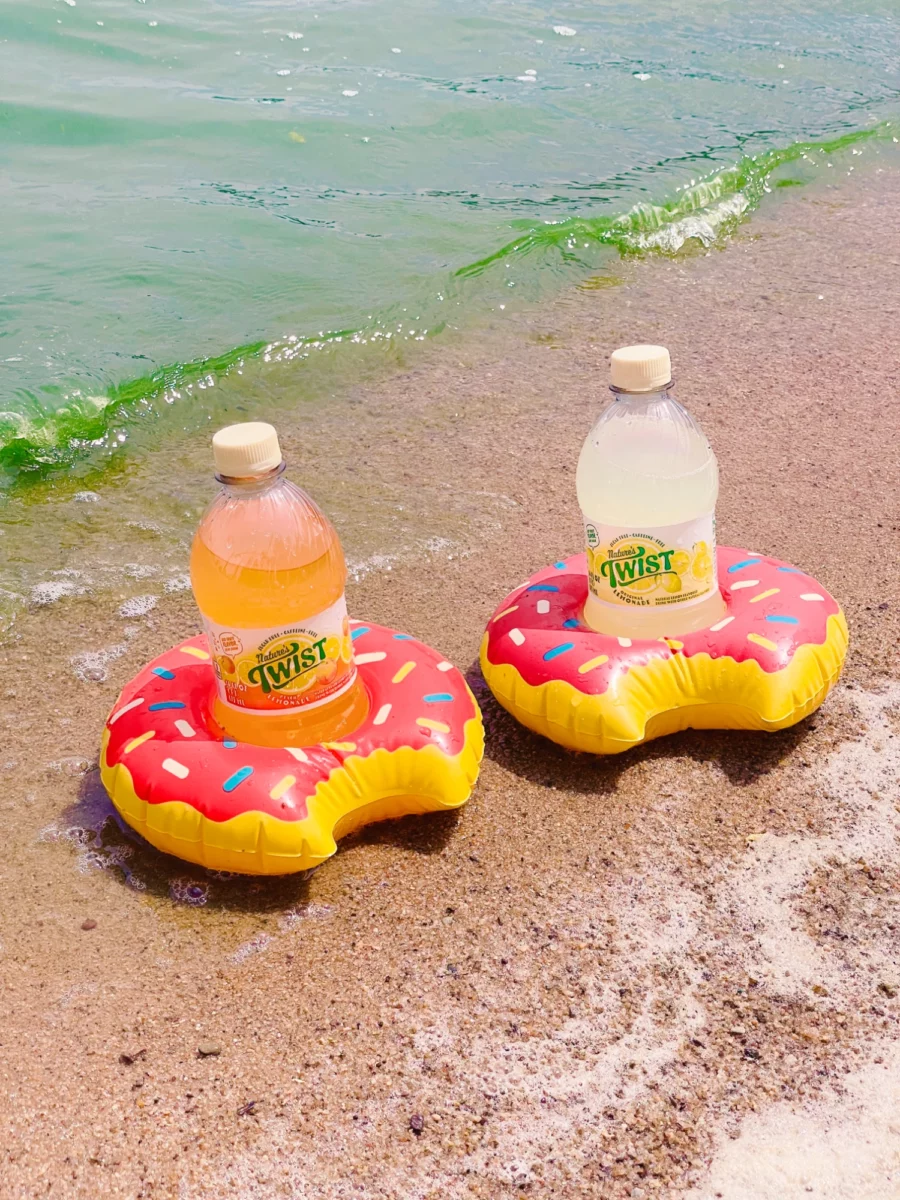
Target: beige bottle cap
(242,451)
(640,368)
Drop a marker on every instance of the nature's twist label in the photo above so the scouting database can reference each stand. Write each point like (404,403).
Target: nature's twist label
(673,564)
(295,667)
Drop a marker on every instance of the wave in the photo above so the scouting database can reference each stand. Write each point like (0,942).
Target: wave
(707,211)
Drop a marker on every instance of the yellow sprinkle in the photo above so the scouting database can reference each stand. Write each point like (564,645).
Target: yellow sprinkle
(282,786)
(437,726)
(347,746)
(593,662)
(761,641)
(194,651)
(506,612)
(403,672)
(296,137)
(765,595)
(139,741)
(673,644)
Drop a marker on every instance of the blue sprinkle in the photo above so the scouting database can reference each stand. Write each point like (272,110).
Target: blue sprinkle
(403,637)
(572,623)
(748,562)
(560,566)
(237,778)
(229,745)
(557,650)
(437,698)
(778,620)
(358,632)
(164,704)
(163,673)
(790,571)
(543,587)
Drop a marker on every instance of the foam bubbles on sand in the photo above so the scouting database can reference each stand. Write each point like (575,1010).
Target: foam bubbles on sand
(91,665)
(64,583)
(846,1147)
(138,606)
(564,30)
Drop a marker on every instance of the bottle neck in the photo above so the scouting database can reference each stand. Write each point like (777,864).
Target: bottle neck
(252,485)
(637,399)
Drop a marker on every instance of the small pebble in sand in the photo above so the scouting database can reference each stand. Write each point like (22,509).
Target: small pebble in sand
(128,1060)
(89,923)
(417,1123)
(208,1049)
(889,988)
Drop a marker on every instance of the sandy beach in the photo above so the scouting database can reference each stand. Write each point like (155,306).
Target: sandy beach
(673,973)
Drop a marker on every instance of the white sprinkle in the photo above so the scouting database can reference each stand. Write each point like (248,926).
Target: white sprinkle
(624,641)
(383,714)
(744,583)
(720,624)
(184,729)
(179,770)
(543,606)
(517,636)
(445,666)
(811,596)
(375,656)
(349,92)
(126,708)
(564,30)
(297,753)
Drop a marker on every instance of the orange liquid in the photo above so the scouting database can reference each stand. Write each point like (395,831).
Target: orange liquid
(265,556)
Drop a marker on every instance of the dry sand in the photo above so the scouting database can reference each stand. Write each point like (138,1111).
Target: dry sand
(674,973)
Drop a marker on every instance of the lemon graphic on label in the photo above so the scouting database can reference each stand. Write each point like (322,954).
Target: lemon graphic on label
(703,564)
(680,561)
(673,583)
(642,587)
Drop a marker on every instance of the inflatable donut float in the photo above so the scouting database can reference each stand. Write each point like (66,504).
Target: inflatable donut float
(769,662)
(177,779)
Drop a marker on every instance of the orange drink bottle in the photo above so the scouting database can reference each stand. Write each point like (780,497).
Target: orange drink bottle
(268,575)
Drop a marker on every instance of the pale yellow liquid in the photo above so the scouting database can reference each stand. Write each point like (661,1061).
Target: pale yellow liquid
(644,465)
(297,571)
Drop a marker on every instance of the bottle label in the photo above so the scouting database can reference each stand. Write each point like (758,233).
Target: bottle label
(287,668)
(650,568)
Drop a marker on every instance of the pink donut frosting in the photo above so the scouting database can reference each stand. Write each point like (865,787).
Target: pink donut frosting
(162,730)
(772,609)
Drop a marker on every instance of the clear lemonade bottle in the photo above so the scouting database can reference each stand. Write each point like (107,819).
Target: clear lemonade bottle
(647,485)
(268,575)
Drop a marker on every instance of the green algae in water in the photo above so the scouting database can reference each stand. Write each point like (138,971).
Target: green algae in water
(283,182)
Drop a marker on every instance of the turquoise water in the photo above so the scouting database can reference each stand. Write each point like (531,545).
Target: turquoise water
(193,180)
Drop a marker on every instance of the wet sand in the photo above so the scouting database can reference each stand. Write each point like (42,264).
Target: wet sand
(601,978)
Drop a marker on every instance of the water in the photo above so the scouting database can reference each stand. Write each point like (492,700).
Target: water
(197,186)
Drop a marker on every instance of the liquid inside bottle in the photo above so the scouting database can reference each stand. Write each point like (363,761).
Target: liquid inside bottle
(268,575)
(647,485)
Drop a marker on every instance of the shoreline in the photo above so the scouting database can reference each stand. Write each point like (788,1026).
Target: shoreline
(563,978)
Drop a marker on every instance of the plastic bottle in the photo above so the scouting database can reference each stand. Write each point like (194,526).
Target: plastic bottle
(647,485)
(268,575)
